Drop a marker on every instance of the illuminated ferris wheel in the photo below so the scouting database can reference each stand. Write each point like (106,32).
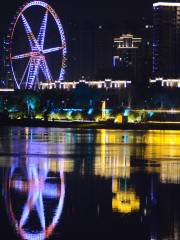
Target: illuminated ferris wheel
(36,54)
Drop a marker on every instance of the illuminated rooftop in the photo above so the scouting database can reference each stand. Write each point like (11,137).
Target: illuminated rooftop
(166,4)
(127,41)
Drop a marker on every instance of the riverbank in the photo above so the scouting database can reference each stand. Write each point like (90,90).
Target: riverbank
(90,125)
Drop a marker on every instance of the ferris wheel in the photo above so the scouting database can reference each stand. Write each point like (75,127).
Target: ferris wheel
(36,66)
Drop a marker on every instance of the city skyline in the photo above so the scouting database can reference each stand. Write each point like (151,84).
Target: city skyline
(83,20)
(90,28)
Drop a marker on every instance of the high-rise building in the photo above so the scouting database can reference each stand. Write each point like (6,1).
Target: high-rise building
(166,40)
(127,57)
(146,33)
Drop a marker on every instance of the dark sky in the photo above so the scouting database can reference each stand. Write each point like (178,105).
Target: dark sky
(95,11)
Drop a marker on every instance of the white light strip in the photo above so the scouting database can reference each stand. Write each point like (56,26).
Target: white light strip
(166,4)
(6,90)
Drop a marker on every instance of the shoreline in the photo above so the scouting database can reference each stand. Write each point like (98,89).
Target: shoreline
(89,125)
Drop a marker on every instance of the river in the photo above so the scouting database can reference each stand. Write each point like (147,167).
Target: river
(89,184)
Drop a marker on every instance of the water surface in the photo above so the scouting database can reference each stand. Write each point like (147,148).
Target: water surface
(89,184)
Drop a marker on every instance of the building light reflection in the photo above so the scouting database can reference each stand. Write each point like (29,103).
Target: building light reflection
(124,200)
(109,161)
(170,172)
(112,163)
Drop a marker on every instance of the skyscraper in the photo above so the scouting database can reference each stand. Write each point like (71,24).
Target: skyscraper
(166,40)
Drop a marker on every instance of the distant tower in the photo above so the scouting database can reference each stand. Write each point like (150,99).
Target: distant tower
(103,110)
(127,56)
(166,40)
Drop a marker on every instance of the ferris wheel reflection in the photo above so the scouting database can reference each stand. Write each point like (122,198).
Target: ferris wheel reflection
(35,197)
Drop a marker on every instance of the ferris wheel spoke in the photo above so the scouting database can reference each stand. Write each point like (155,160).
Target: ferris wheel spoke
(42,32)
(16,82)
(33,70)
(24,74)
(50,50)
(32,40)
(32,198)
(45,69)
(25,55)
(40,209)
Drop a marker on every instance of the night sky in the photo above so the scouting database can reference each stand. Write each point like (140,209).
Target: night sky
(128,12)
(94,11)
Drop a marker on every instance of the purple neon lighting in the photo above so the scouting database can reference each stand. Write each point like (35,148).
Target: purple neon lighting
(37,54)
(45,70)
(32,40)
(42,32)
(37,189)
(33,70)
(25,55)
(50,50)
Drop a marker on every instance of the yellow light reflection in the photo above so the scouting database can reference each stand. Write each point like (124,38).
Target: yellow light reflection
(170,172)
(164,148)
(124,201)
(54,165)
(162,144)
(111,159)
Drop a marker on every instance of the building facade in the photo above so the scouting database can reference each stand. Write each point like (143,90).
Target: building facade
(96,84)
(127,57)
(166,40)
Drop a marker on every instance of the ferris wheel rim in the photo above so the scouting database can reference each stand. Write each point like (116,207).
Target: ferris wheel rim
(19,13)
